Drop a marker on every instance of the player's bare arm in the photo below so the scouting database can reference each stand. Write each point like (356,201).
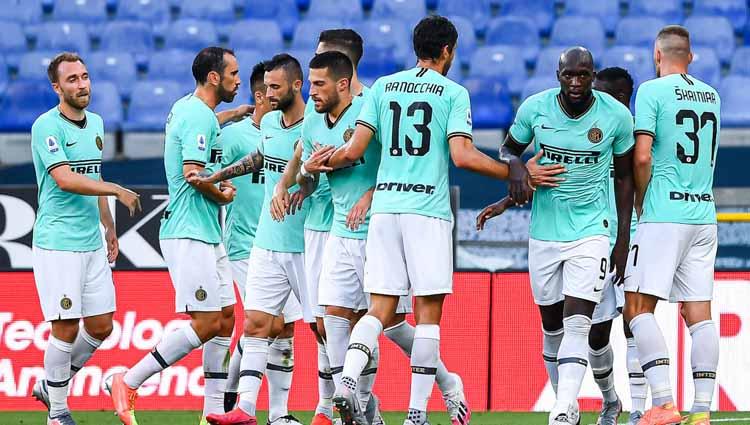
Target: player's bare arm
(624,201)
(358,214)
(518,187)
(493,210)
(236,114)
(641,168)
(110,234)
(222,195)
(69,181)
(352,150)
(543,175)
(251,163)
(466,156)
(282,202)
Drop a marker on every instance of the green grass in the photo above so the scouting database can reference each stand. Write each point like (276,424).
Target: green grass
(392,418)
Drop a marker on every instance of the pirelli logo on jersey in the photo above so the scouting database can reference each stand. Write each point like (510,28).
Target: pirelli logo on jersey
(570,156)
(276,165)
(406,187)
(92,166)
(215,157)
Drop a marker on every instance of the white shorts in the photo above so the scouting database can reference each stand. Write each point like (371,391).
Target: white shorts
(612,302)
(73,284)
(409,252)
(292,310)
(315,243)
(275,276)
(200,274)
(342,276)
(673,261)
(575,269)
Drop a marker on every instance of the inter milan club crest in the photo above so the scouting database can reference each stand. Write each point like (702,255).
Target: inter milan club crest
(99,143)
(201,294)
(348,134)
(595,135)
(66,303)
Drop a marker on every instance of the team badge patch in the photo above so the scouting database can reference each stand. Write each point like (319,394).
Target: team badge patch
(99,143)
(468,117)
(52,145)
(595,135)
(201,294)
(66,303)
(201,142)
(348,134)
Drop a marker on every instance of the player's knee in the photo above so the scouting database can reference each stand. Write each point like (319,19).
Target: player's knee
(286,330)
(598,337)
(101,332)
(694,312)
(65,330)
(258,324)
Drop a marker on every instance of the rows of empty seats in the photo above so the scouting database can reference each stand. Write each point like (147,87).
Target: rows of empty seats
(139,51)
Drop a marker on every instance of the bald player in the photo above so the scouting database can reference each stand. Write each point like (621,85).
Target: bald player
(677,123)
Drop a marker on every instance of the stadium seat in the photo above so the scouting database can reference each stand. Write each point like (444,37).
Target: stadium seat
(538,84)
(608,11)
(118,68)
(129,37)
(734,10)
(410,11)
(175,65)
(454,73)
(491,106)
(515,31)
(712,31)
(260,34)
(334,9)
(59,36)
(307,32)
(21,11)
(303,56)
(191,34)
(502,62)
(741,62)
(547,62)
(283,11)
(33,66)
(638,31)
(467,41)
(475,11)
(12,43)
(88,11)
(669,10)
(705,66)
(23,102)
(220,12)
(579,31)
(376,63)
(4,78)
(388,34)
(153,12)
(638,61)
(150,105)
(243,97)
(105,101)
(734,110)
(540,12)
(247,59)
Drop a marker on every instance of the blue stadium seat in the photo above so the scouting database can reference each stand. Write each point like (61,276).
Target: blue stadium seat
(734,110)
(454,73)
(247,59)
(608,11)
(502,62)
(515,31)
(4,78)
(220,12)
(33,66)
(467,41)
(741,62)
(105,101)
(303,56)
(541,12)
(261,34)
(153,12)
(191,34)
(388,34)
(23,102)
(547,62)
(283,11)
(411,11)
(307,32)
(705,66)
(243,97)
(129,37)
(12,43)
(734,10)
(335,9)
(116,67)
(89,11)
(669,10)
(712,31)
(491,106)
(175,65)
(538,84)
(376,63)
(638,61)
(21,11)
(476,11)
(58,36)
(583,31)
(150,105)
(638,31)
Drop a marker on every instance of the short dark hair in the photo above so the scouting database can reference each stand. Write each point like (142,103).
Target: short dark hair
(615,73)
(256,77)
(338,64)
(674,47)
(52,68)
(432,34)
(207,60)
(677,30)
(345,39)
(288,62)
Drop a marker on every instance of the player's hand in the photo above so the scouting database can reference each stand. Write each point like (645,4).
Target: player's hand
(518,185)
(113,246)
(241,112)
(295,202)
(618,261)
(490,211)
(358,214)
(317,163)
(228,191)
(279,203)
(130,199)
(203,176)
(543,175)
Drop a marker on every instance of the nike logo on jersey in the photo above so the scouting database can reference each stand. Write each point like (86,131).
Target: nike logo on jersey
(67,145)
(544,127)
(268,137)
(598,290)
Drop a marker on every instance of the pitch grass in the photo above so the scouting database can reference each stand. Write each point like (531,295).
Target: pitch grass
(392,418)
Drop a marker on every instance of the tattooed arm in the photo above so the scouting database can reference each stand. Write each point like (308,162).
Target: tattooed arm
(251,163)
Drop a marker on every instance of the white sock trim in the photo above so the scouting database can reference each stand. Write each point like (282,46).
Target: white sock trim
(427,332)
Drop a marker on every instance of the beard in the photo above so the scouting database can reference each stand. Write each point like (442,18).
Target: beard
(285,101)
(226,95)
(77,101)
(447,68)
(326,107)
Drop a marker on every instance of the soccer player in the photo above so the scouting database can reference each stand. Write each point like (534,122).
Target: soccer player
(71,269)
(421,118)
(190,238)
(237,141)
(677,123)
(569,241)
(276,264)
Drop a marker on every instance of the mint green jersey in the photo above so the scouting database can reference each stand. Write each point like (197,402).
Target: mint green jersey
(277,144)
(613,212)
(237,141)
(682,114)
(414,113)
(579,207)
(350,183)
(66,221)
(192,138)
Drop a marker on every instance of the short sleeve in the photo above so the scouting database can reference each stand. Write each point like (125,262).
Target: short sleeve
(522,128)
(368,116)
(624,140)
(197,140)
(47,145)
(459,117)
(646,111)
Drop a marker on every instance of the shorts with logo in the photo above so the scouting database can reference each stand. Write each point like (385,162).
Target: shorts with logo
(315,243)
(409,252)
(342,276)
(275,277)
(613,300)
(576,269)
(200,274)
(673,261)
(73,284)
(292,310)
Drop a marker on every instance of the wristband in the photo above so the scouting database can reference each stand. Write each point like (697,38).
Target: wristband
(304,172)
